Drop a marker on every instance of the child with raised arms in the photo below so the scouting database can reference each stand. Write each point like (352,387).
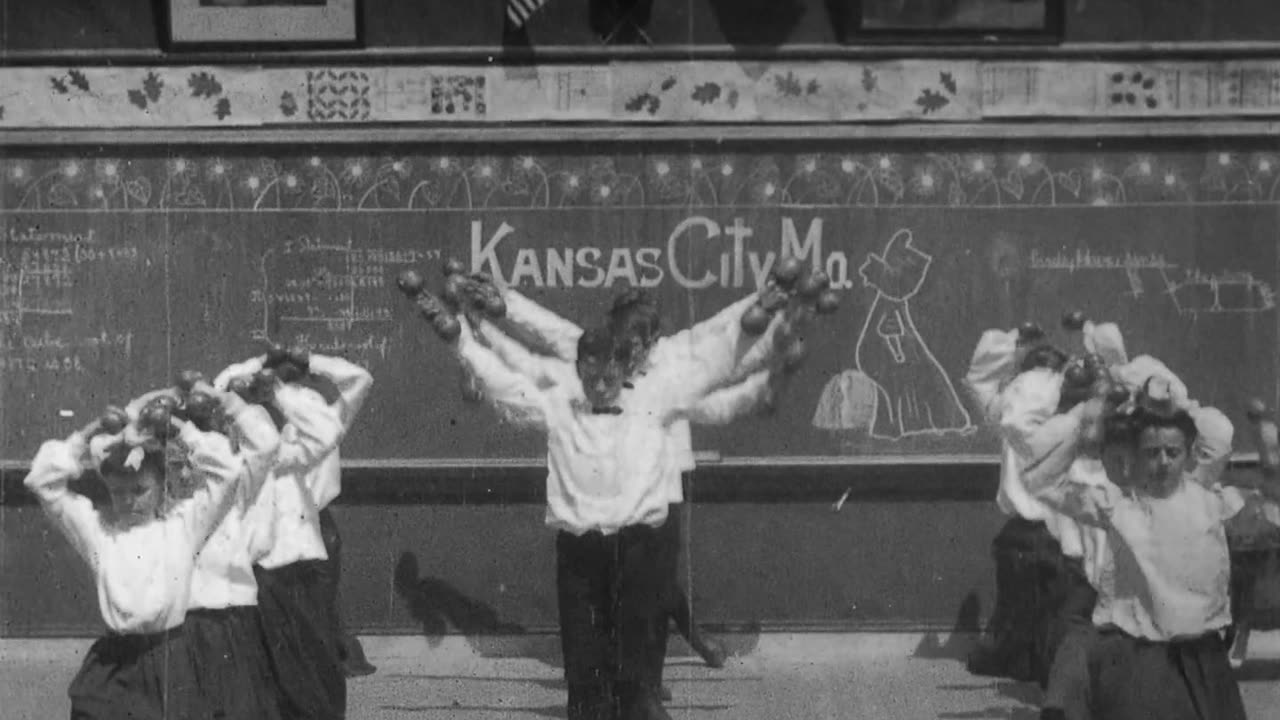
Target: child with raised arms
(1160,652)
(608,483)
(300,623)
(141,550)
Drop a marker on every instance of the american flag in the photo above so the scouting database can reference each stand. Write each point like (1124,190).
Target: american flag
(519,11)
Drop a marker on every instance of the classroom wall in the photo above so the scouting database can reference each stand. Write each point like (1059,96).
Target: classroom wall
(439,553)
(134,24)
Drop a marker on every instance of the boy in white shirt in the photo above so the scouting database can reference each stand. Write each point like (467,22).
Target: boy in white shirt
(346,385)
(1018,383)
(291,564)
(608,488)
(635,322)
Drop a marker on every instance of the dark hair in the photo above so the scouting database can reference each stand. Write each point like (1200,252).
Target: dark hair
(596,344)
(635,311)
(322,385)
(153,461)
(1127,427)
(1043,356)
(630,298)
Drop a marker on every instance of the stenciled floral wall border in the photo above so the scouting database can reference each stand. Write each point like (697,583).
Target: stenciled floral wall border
(634,92)
(424,182)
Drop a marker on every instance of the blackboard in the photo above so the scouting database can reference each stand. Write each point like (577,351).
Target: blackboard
(119,266)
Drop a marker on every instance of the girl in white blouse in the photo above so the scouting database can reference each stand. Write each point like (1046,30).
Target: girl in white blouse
(1160,653)
(141,551)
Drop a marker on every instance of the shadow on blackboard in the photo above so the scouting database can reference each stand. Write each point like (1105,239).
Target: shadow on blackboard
(962,639)
(441,608)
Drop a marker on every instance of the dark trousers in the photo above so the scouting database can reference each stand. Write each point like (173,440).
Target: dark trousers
(331,571)
(1246,567)
(612,621)
(676,601)
(349,648)
(300,629)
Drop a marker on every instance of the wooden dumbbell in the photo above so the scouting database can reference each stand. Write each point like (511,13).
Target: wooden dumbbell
(755,320)
(828,302)
(1074,320)
(1029,333)
(256,389)
(486,297)
(276,354)
(112,421)
(201,409)
(429,306)
(1268,440)
(410,283)
(788,272)
(812,285)
(157,417)
(295,366)
(187,379)
(1256,410)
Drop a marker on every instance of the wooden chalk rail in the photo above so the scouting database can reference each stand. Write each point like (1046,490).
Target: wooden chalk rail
(673,52)
(621,133)
(702,458)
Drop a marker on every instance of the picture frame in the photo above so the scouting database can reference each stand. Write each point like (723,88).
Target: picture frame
(258,23)
(957,21)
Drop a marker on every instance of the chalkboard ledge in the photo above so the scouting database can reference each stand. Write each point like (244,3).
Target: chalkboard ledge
(1240,460)
(773,480)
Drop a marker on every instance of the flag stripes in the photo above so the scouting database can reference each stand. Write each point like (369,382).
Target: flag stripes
(519,11)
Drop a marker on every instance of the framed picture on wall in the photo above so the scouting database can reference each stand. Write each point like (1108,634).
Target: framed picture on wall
(278,23)
(1011,21)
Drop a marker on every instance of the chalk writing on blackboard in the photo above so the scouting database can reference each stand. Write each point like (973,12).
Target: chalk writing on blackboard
(734,266)
(36,235)
(1227,292)
(1192,291)
(1086,259)
(49,352)
(332,296)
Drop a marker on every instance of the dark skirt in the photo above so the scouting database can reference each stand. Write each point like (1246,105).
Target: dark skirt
(140,677)
(1255,571)
(236,678)
(1039,591)
(300,625)
(1134,679)
(1069,687)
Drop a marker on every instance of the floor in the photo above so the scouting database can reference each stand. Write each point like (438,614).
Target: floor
(811,676)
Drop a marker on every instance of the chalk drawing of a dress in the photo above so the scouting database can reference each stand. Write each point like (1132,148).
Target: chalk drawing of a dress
(898,389)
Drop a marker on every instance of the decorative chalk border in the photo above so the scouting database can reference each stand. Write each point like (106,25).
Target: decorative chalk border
(539,181)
